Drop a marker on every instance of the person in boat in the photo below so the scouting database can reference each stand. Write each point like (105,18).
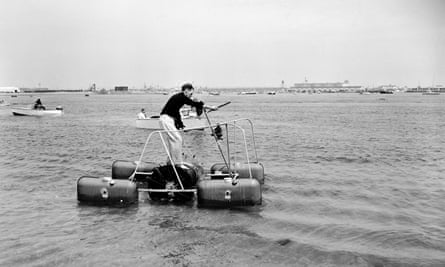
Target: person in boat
(170,119)
(142,115)
(38,104)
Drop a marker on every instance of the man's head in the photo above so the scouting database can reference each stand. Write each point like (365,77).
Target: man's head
(187,89)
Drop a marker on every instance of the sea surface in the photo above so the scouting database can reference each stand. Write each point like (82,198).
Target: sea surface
(351,180)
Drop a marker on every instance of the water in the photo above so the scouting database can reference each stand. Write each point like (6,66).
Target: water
(351,180)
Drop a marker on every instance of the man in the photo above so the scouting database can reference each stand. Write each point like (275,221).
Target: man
(38,104)
(141,115)
(170,119)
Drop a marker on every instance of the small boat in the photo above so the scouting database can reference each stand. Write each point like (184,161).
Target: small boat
(190,119)
(21,111)
(248,93)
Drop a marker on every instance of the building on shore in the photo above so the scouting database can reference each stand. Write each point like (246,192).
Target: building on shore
(36,90)
(121,88)
(47,90)
(324,87)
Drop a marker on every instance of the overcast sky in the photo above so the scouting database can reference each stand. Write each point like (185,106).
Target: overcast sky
(74,43)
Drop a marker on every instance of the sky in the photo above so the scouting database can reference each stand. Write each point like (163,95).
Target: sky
(70,44)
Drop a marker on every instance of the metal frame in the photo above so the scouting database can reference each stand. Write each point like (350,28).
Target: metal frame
(234,123)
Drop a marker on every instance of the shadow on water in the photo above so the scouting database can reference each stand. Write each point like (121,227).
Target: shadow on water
(86,210)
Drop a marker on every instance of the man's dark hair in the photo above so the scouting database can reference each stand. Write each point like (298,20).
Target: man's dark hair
(187,86)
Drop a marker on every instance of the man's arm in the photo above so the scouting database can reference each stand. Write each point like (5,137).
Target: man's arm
(210,107)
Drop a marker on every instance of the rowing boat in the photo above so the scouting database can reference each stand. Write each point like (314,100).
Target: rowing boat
(21,111)
(190,119)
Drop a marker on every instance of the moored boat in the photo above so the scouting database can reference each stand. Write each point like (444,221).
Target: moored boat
(248,93)
(21,111)
(189,117)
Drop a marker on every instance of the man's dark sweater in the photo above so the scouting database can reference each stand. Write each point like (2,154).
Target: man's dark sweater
(175,103)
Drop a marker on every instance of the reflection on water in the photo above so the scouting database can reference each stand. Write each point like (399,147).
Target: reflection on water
(350,180)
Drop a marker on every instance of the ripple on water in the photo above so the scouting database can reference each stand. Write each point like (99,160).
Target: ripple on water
(349,181)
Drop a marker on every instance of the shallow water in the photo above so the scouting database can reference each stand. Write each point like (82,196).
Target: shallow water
(351,180)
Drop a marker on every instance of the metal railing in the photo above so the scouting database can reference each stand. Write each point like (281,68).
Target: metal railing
(233,123)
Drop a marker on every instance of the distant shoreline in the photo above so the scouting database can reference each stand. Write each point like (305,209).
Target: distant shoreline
(86,93)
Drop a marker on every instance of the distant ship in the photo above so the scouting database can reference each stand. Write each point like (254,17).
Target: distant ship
(248,93)
(330,87)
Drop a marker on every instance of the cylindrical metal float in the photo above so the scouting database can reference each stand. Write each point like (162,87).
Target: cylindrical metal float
(242,169)
(228,192)
(106,190)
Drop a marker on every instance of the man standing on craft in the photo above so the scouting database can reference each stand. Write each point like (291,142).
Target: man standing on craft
(170,119)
